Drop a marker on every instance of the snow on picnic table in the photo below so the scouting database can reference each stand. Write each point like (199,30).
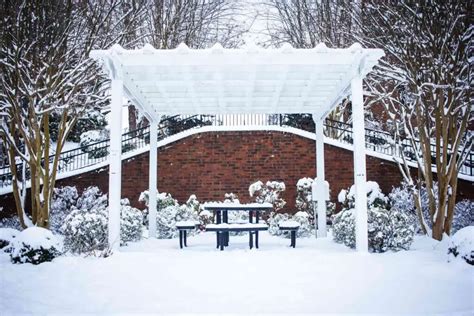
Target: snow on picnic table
(319,276)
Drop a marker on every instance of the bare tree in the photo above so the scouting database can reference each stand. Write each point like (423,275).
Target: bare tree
(305,24)
(424,84)
(45,69)
(197,23)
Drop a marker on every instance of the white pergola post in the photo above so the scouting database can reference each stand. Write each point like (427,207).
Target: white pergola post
(319,187)
(359,164)
(152,179)
(115,163)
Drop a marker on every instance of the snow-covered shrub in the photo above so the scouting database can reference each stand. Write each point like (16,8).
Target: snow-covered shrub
(386,229)
(463,215)
(92,198)
(401,199)
(35,245)
(163,200)
(231,198)
(7,235)
(88,143)
(169,212)
(131,223)
(306,225)
(274,220)
(304,200)
(63,200)
(270,193)
(10,222)
(205,217)
(462,245)
(166,219)
(306,228)
(379,229)
(403,230)
(375,197)
(343,227)
(85,230)
(330,210)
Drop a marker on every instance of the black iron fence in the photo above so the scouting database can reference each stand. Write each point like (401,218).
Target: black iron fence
(95,153)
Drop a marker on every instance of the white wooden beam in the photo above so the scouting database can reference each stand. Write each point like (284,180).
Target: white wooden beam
(192,92)
(218,82)
(226,58)
(322,193)
(279,87)
(152,179)
(115,164)
(358,130)
(343,88)
(250,88)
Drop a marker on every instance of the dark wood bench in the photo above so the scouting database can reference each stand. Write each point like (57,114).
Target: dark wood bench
(223,230)
(183,228)
(292,227)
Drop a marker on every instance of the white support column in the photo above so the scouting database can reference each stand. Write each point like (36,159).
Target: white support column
(321,185)
(115,163)
(152,179)
(359,165)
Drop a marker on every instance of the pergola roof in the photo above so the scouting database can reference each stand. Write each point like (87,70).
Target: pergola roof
(251,80)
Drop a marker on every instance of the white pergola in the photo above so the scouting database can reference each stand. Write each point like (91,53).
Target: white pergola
(238,81)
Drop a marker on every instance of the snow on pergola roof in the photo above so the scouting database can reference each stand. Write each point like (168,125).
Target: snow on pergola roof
(251,80)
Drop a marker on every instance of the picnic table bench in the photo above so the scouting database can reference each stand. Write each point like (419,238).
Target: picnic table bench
(292,227)
(223,227)
(183,227)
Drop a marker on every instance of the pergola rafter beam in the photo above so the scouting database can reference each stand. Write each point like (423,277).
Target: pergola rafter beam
(280,84)
(344,87)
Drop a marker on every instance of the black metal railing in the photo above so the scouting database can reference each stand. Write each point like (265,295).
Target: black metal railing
(85,156)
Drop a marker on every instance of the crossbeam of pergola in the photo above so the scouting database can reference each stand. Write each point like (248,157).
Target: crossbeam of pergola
(238,81)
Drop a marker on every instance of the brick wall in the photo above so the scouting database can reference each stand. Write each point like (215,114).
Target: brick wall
(212,164)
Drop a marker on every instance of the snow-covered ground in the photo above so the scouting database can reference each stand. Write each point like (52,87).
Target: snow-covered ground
(319,276)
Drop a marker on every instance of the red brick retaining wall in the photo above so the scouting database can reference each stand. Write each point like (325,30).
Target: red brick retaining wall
(211,164)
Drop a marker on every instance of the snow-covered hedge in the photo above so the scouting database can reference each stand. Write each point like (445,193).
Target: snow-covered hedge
(64,199)
(7,235)
(386,229)
(85,220)
(306,225)
(463,215)
(85,231)
(306,228)
(274,220)
(401,199)
(270,193)
(375,197)
(169,212)
(462,245)
(131,223)
(91,137)
(35,245)
(163,200)
(10,222)
(166,219)
(304,198)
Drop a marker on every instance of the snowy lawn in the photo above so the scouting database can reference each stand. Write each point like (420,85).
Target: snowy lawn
(319,276)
